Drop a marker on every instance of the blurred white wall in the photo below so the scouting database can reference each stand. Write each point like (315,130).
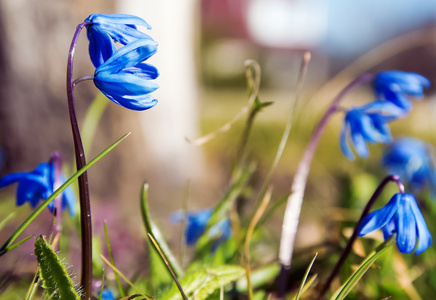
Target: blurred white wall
(174,26)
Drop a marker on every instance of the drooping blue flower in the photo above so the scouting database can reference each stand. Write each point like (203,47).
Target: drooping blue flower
(37,185)
(402,216)
(368,123)
(125,79)
(396,86)
(196,223)
(104,30)
(413,160)
(107,295)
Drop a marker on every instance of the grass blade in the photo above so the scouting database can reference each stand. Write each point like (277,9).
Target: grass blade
(364,266)
(300,290)
(109,250)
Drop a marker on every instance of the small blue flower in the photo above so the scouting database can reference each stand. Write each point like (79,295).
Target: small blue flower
(196,223)
(403,216)
(368,123)
(413,161)
(38,184)
(104,30)
(125,79)
(396,86)
(107,295)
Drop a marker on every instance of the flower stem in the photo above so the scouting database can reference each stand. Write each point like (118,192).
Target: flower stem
(295,199)
(85,207)
(353,237)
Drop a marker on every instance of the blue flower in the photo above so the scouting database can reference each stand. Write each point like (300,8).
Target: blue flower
(125,79)
(107,295)
(104,30)
(413,161)
(368,123)
(396,86)
(196,223)
(38,184)
(403,216)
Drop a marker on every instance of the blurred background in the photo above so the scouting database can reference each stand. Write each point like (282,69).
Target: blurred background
(202,49)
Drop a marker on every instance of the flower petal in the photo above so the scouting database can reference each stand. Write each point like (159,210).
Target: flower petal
(425,239)
(343,142)
(101,46)
(406,226)
(128,56)
(379,218)
(117,19)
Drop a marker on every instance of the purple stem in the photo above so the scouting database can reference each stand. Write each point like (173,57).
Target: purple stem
(56,159)
(85,206)
(293,206)
(353,237)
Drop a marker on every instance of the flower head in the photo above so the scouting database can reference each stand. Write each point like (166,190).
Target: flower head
(125,79)
(107,295)
(412,160)
(196,224)
(396,86)
(39,184)
(403,216)
(367,123)
(104,30)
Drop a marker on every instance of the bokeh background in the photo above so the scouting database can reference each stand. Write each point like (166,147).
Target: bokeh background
(202,49)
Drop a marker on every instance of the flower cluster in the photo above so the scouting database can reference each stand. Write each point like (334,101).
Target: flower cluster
(369,123)
(413,161)
(402,216)
(196,223)
(121,74)
(37,185)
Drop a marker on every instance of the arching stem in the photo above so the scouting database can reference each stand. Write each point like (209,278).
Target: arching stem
(85,207)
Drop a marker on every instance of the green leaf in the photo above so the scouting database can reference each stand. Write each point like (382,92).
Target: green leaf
(92,118)
(343,291)
(204,282)
(153,230)
(40,208)
(303,282)
(55,279)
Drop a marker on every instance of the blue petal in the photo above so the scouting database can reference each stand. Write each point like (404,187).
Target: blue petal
(31,191)
(101,46)
(389,228)
(117,19)
(124,84)
(14,177)
(107,295)
(359,144)
(425,239)
(380,217)
(343,142)
(128,56)
(123,33)
(397,97)
(406,226)
(143,70)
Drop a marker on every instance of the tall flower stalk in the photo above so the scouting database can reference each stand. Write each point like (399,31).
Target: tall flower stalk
(295,199)
(85,206)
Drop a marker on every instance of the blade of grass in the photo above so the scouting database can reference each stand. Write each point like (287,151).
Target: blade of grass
(162,256)
(303,282)
(299,91)
(154,231)
(10,248)
(92,118)
(109,250)
(119,273)
(32,287)
(250,230)
(6,220)
(102,284)
(40,208)
(343,291)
